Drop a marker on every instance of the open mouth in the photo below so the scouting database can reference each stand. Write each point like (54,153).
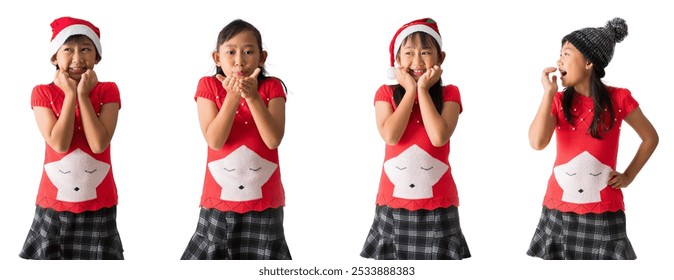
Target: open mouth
(562,72)
(77,70)
(417,72)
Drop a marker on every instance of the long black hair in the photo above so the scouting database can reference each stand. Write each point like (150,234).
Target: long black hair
(604,116)
(436,90)
(234,28)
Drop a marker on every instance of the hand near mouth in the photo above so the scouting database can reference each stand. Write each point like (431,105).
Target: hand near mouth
(230,84)
(248,85)
(64,82)
(549,84)
(428,79)
(405,79)
(88,81)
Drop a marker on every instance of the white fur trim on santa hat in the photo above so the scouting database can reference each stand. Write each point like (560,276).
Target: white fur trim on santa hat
(75,29)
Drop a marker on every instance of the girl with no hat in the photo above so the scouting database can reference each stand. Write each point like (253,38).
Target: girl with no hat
(77,115)
(583,210)
(242,117)
(416,216)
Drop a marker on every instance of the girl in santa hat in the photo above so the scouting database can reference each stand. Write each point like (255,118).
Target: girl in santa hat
(242,117)
(76,114)
(583,211)
(416,216)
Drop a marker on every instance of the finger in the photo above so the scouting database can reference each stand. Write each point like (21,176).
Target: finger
(549,70)
(255,73)
(554,79)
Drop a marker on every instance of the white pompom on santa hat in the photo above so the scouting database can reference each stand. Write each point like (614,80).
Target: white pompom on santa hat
(426,25)
(63,28)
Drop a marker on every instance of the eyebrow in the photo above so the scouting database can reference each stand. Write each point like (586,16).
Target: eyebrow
(245,46)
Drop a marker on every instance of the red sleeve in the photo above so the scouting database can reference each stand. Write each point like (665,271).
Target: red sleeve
(626,103)
(206,88)
(451,93)
(40,97)
(110,94)
(272,88)
(384,93)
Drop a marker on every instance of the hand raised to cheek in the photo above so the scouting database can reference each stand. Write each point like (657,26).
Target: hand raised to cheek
(87,82)
(230,84)
(428,79)
(63,81)
(405,79)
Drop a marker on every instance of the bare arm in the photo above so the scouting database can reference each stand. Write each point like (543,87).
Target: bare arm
(391,124)
(543,125)
(58,132)
(439,126)
(649,141)
(98,129)
(270,121)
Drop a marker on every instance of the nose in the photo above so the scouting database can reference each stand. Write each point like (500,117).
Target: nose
(238,59)
(559,62)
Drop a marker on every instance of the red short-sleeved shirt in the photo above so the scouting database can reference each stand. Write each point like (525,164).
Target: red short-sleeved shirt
(244,174)
(415,174)
(77,180)
(579,181)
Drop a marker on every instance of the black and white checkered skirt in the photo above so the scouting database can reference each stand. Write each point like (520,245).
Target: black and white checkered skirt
(90,235)
(234,236)
(400,234)
(571,236)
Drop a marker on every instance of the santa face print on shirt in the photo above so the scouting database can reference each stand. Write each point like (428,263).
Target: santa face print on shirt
(582,178)
(241,174)
(413,173)
(76,176)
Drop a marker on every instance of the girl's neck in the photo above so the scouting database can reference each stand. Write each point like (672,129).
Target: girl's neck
(583,88)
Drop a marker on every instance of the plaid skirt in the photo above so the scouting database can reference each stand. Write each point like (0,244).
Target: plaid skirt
(91,235)
(400,234)
(570,236)
(233,236)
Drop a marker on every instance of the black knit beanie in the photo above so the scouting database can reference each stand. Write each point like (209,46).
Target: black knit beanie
(597,44)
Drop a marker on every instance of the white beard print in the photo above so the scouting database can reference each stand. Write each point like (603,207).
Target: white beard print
(76,176)
(241,174)
(582,178)
(413,173)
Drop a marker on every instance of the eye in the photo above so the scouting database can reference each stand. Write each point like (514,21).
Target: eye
(248,52)
(572,174)
(64,172)
(255,169)
(401,168)
(595,174)
(426,169)
(229,52)
(90,171)
(87,49)
(229,170)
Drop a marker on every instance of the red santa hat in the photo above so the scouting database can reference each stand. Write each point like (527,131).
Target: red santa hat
(63,28)
(426,25)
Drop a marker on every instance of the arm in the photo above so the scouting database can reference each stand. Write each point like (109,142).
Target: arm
(58,132)
(98,130)
(649,141)
(391,124)
(543,125)
(271,120)
(216,125)
(439,126)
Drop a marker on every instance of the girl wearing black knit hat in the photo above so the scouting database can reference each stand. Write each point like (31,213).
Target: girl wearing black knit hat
(583,210)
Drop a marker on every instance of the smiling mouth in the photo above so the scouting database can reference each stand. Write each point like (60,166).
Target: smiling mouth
(417,72)
(77,70)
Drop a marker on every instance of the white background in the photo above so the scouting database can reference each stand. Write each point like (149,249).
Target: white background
(333,56)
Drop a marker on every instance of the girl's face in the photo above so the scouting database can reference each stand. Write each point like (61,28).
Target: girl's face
(76,57)
(240,55)
(417,58)
(573,67)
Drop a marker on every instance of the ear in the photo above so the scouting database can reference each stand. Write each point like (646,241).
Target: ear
(263,58)
(216,58)
(53,60)
(441,59)
(588,65)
